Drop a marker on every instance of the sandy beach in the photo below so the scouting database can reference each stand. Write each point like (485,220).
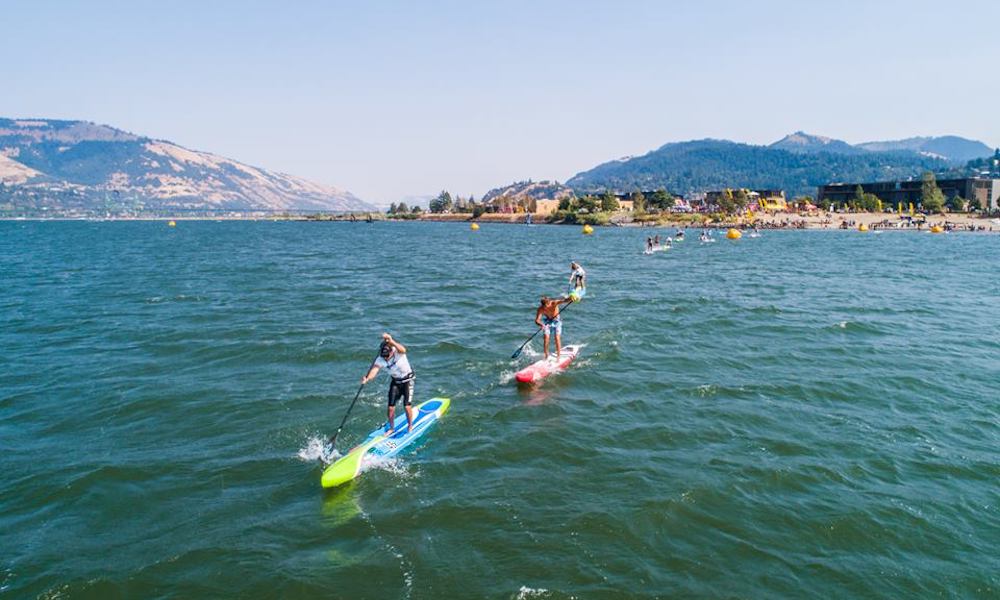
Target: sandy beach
(778,220)
(876,221)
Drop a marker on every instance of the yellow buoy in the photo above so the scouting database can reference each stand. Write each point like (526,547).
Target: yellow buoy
(862,227)
(734,234)
(474,227)
(937,229)
(587,230)
(172,224)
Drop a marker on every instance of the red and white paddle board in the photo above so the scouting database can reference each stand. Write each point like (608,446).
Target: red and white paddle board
(538,371)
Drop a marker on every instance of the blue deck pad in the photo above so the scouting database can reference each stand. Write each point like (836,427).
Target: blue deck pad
(390,446)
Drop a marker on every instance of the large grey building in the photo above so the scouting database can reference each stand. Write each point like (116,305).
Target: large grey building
(987,191)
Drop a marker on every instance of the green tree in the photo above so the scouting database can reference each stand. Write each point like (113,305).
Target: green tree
(956,203)
(662,200)
(638,202)
(931,197)
(566,203)
(825,204)
(726,203)
(417,210)
(402,208)
(609,202)
(869,203)
(443,202)
(588,203)
(741,198)
(976,205)
(859,195)
(392,209)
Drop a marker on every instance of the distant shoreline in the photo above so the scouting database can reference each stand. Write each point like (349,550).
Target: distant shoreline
(795,221)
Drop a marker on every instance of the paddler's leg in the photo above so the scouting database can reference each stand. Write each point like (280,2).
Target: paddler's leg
(408,404)
(392,421)
(558,338)
(394,393)
(545,343)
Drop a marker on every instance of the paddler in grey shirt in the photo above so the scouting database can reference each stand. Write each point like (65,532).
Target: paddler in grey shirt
(392,357)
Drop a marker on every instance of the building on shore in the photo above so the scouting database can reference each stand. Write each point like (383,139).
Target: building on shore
(627,204)
(757,200)
(892,193)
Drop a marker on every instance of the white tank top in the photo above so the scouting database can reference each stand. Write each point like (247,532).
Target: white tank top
(398,366)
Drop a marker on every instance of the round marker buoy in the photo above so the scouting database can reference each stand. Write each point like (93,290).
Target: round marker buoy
(734,234)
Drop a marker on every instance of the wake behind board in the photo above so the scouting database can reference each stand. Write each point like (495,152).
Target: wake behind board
(379,447)
(538,371)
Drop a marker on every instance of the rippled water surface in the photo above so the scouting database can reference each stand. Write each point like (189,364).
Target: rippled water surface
(805,414)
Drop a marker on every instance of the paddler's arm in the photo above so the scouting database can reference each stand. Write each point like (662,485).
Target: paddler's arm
(538,317)
(399,347)
(371,375)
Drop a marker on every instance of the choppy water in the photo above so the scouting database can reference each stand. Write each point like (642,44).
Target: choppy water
(807,414)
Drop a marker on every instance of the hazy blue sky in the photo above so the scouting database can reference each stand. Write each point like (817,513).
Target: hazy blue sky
(389,99)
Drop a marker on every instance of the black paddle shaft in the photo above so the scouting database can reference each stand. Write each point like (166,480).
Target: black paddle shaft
(351,407)
(521,348)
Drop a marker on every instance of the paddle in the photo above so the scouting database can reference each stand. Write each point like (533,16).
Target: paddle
(521,348)
(344,420)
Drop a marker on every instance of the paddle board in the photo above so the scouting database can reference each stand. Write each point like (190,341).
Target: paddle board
(379,447)
(538,371)
(577,295)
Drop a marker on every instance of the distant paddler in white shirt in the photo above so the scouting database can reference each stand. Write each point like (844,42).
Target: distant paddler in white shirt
(392,358)
(577,282)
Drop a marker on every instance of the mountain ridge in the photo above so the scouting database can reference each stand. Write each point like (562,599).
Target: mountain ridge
(955,149)
(702,165)
(77,165)
(803,142)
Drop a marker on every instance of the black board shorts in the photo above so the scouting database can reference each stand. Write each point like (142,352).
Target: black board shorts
(401,388)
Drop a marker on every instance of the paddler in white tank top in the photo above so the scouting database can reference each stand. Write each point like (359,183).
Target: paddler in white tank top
(577,280)
(392,358)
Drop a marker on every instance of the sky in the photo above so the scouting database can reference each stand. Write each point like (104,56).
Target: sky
(397,99)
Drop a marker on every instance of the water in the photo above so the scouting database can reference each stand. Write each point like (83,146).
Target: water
(806,414)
